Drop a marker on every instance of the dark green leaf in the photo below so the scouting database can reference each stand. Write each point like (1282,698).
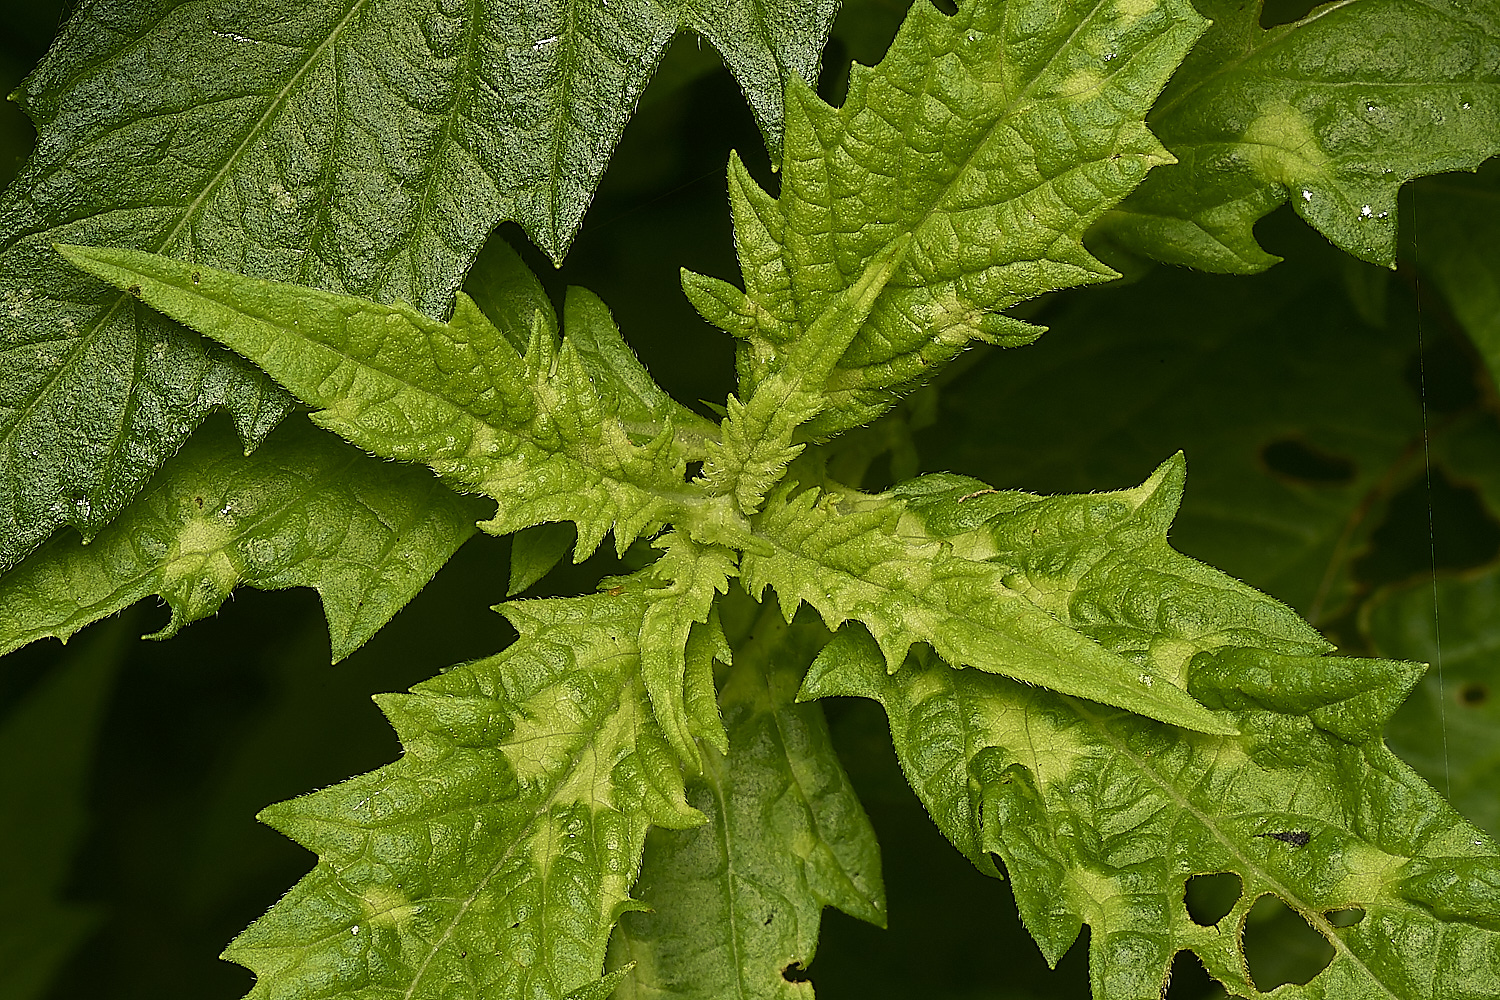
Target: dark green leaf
(356,146)
(1457,221)
(1334,112)
(46,744)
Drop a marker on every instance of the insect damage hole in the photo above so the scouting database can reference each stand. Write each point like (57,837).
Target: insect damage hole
(1209,898)
(1281,947)
(795,973)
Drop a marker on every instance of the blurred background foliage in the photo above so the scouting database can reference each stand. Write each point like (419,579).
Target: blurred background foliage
(1302,397)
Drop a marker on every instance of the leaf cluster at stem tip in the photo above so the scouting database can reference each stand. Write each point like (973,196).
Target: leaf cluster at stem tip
(639,796)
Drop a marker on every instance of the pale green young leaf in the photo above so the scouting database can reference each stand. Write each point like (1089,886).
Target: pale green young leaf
(991,139)
(355,146)
(491,861)
(1101,818)
(1101,563)
(757,435)
(691,578)
(1298,416)
(1045,590)
(1334,112)
(530,431)
(735,904)
(304,510)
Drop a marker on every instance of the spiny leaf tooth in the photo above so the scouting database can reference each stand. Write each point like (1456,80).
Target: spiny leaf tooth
(722,304)
(578,405)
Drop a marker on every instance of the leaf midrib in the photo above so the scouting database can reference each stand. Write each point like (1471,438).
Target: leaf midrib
(521,839)
(1311,914)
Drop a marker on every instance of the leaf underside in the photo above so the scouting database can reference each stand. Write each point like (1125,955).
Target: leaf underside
(303,511)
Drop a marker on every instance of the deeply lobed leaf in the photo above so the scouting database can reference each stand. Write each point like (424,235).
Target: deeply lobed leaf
(540,433)
(1101,818)
(1334,112)
(991,139)
(1051,591)
(493,858)
(735,904)
(303,511)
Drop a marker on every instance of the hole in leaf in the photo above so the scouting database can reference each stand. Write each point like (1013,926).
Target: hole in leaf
(1286,11)
(948,7)
(1299,461)
(1462,533)
(1189,980)
(795,973)
(1281,947)
(1345,918)
(1473,694)
(694,470)
(1209,898)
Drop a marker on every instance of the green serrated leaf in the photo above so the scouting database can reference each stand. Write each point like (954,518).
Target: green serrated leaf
(304,510)
(1101,564)
(735,904)
(355,146)
(532,431)
(991,139)
(671,664)
(1101,819)
(493,858)
(1334,112)
(46,744)
(1052,609)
